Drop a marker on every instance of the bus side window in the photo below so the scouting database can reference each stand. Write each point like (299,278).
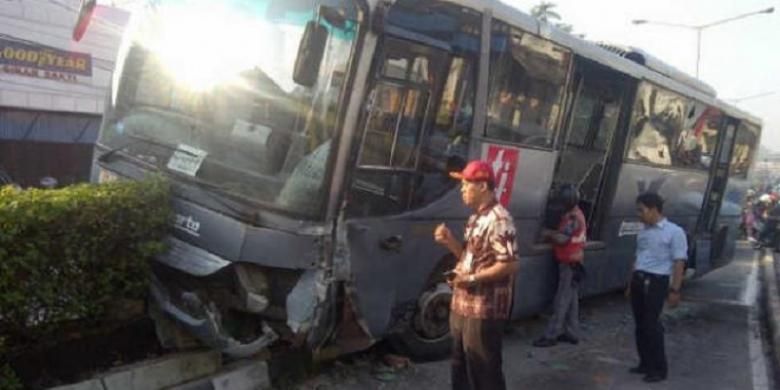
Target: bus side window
(528,78)
(657,119)
(745,147)
(445,146)
(695,145)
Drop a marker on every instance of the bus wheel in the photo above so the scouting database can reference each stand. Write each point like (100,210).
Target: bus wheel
(427,336)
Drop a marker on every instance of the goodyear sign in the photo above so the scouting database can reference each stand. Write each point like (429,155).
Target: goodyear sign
(33,60)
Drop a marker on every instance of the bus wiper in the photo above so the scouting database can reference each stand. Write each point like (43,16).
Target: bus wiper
(105,157)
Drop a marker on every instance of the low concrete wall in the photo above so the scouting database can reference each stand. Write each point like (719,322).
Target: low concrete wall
(155,374)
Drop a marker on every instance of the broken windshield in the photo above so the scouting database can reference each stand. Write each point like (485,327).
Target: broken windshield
(215,79)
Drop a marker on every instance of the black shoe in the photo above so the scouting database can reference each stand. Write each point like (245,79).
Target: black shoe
(544,342)
(652,378)
(638,370)
(568,339)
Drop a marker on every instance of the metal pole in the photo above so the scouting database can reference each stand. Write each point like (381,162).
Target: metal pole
(701,27)
(698,50)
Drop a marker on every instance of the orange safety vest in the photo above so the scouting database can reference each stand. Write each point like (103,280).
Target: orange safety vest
(574,250)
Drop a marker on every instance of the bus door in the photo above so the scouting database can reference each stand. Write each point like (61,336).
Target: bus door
(396,175)
(594,118)
(707,228)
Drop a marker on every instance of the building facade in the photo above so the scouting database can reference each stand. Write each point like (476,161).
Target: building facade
(52,89)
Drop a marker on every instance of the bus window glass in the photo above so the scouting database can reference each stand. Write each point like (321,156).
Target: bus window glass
(445,148)
(392,132)
(528,78)
(424,89)
(656,121)
(264,138)
(582,116)
(448,136)
(395,68)
(725,156)
(695,145)
(611,115)
(745,146)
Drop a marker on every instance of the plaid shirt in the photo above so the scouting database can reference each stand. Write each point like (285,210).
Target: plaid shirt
(490,237)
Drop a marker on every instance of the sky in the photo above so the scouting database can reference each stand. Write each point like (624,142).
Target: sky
(739,58)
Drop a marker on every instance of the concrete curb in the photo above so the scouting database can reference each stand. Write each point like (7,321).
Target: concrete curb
(244,375)
(201,370)
(154,374)
(771,299)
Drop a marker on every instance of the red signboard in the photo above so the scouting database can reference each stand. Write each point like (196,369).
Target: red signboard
(504,162)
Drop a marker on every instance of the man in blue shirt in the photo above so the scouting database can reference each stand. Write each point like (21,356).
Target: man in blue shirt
(661,252)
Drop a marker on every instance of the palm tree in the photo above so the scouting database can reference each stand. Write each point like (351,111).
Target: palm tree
(544,12)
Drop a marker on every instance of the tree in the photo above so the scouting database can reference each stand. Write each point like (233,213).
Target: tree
(544,12)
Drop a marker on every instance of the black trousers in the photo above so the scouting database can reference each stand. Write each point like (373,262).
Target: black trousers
(648,294)
(476,353)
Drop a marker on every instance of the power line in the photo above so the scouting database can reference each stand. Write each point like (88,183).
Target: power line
(756,96)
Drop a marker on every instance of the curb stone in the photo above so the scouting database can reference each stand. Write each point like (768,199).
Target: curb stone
(251,375)
(154,374)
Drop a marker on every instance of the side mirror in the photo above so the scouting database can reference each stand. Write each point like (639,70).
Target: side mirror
(86,10)
(310,53)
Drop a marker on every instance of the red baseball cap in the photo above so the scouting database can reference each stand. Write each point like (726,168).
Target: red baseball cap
(476,170)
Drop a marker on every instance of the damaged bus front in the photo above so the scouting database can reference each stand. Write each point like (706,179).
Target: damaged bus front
(240,103)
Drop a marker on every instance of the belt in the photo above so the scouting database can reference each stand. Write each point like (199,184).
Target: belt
(649,275)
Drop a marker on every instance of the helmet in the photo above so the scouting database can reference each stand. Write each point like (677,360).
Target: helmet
(569,196)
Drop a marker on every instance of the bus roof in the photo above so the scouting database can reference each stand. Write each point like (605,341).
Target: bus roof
(655,70)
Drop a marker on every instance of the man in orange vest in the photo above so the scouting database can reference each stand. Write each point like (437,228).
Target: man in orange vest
(569,249)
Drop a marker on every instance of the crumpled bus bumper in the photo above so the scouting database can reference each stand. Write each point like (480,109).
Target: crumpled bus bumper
(202,320)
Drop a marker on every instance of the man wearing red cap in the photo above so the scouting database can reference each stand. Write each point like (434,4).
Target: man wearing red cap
(482,285)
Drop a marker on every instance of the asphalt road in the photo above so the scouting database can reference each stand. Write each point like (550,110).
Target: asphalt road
(713,342)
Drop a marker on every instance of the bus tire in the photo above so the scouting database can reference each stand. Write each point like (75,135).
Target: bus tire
(427,335)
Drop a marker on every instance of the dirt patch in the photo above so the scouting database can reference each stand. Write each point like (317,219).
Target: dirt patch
(79,358)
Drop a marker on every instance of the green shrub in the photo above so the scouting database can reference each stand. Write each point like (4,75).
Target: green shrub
(8,379)
(69,254)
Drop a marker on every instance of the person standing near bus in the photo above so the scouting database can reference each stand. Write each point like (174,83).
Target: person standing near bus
(569,250)
(661,253)
(482,282)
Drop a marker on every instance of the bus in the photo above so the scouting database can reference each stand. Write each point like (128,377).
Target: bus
(308,143)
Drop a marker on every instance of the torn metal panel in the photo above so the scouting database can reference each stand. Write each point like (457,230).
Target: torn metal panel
(352,334)
(280,249)
(252,288)
(206,325)
(191,259)
(302,301)
(341,260)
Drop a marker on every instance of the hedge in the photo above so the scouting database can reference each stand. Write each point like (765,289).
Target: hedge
(68,255)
